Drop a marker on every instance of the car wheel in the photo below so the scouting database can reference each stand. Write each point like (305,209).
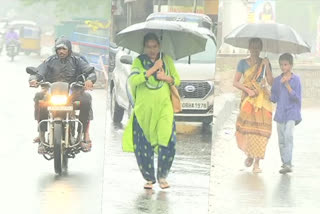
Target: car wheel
(116,111)
(206,127)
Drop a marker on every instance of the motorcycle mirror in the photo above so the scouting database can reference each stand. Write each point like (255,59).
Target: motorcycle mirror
(31,70)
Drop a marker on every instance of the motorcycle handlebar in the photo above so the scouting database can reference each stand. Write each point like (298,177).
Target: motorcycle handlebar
(48,84)
(42,84)
(78,83)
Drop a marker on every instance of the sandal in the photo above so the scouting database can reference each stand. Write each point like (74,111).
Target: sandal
(41,149)
(248,162)
(36,140)
(163,184)
(86,146)
(39,137)
(256,170)
(148,185)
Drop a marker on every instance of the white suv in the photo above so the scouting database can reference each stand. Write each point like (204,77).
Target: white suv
(196,74)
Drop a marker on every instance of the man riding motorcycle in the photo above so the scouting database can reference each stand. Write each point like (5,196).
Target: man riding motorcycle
(64,66)
(12,36)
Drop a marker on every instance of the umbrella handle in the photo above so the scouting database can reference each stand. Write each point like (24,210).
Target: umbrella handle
(264,72)
(264,68)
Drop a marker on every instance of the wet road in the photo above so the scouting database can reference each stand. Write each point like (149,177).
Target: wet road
(268,192)
(28,183)
(106,180)
(189,177)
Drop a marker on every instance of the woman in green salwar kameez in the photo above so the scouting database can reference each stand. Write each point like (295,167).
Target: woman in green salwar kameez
(151,127)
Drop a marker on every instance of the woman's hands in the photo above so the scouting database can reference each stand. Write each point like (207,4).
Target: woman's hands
(265,62)
(158,64)
(161,75)
(156,67)
(251,93)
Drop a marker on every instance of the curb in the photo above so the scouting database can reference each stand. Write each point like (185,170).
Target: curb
(224,106)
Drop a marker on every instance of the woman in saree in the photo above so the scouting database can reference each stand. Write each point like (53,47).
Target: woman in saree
(254,122)
(151,128)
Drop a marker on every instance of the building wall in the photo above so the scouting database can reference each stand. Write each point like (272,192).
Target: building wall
(233,13)
(141,9)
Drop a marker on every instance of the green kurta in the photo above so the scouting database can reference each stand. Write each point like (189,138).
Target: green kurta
(153,108)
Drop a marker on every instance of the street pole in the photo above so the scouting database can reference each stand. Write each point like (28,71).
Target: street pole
(194,6)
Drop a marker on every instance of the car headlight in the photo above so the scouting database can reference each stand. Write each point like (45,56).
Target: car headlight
(59,100)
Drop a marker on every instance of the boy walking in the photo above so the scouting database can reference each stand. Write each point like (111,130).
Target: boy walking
(286,92)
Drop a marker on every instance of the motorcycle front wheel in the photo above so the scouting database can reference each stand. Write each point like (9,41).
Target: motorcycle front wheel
(65,161)
(57,148)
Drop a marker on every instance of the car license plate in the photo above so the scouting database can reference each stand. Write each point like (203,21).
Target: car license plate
(195,105)
(60,108)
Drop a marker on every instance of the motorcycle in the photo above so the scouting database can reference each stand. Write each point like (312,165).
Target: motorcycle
(61,141)
(12,49)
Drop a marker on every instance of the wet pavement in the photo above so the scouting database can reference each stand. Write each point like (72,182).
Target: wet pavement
(189,176)
(235,189)
(28,183)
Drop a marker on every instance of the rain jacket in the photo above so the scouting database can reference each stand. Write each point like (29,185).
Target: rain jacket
(55,69)
(153,107)
(11,36)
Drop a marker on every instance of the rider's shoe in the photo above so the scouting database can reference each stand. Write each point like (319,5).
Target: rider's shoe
(41,149)
(40,138)
(36,139)
(86,145)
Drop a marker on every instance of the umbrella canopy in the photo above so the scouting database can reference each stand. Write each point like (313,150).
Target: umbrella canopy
(276,38)
(176,40)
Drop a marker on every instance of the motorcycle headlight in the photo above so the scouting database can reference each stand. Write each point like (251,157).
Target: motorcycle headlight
(59,100)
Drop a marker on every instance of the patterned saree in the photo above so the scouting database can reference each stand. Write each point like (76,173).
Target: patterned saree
(254,123)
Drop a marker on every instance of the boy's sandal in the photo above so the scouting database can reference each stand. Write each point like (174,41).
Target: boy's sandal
(163,184)
(248,162)
(148,185)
